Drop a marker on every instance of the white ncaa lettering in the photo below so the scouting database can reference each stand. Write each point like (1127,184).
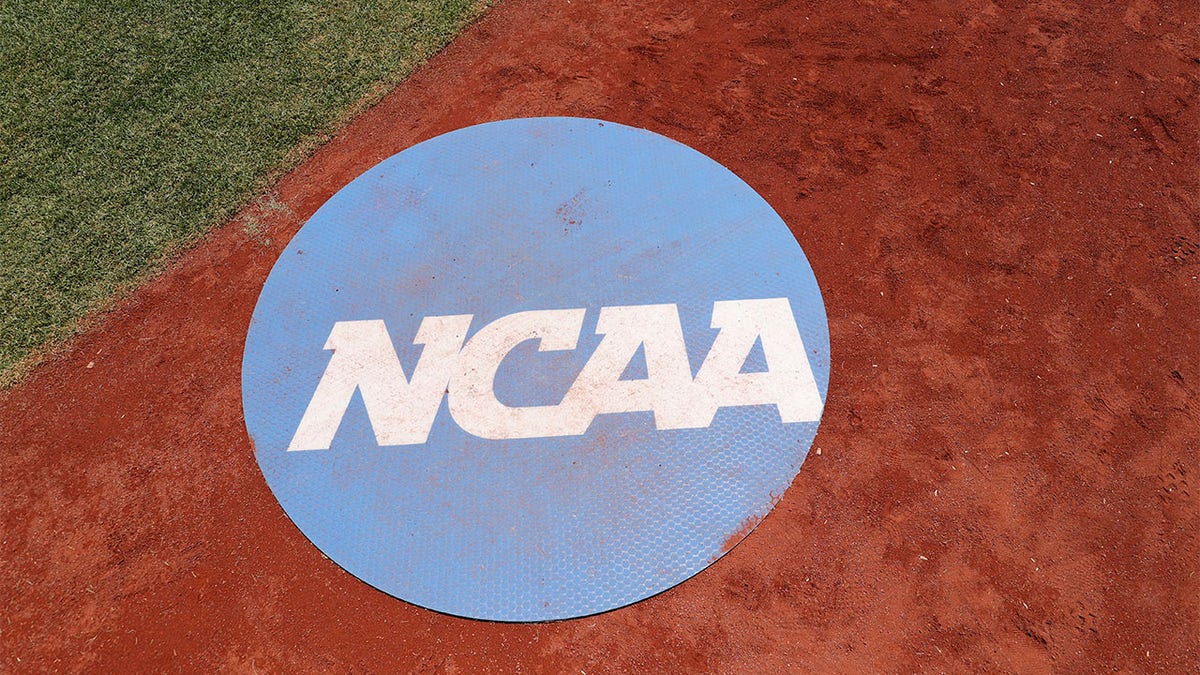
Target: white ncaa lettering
(402,412)
(788,381)
(472,394)
(599,388)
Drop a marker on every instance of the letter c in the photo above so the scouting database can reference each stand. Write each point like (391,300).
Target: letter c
(472,396)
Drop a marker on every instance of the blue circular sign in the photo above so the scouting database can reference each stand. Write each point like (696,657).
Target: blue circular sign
(536,369)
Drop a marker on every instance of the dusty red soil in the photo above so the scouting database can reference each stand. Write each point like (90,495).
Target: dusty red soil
(1001,205)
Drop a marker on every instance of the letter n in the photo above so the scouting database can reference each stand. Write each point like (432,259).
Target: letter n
(400,410)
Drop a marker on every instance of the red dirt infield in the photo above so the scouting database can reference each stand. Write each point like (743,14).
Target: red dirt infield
(1000,202)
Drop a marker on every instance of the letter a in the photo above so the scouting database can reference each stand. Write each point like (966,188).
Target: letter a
(666,390)
(788,382)
(400,410)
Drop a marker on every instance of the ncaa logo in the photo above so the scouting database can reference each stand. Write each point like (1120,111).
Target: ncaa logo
(536,369)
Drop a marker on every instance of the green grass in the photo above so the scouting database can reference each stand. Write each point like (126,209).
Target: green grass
(129,128)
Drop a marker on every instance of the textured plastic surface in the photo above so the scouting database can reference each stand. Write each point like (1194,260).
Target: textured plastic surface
(528,214)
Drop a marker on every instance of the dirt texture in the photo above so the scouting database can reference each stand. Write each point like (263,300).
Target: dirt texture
(1000,202)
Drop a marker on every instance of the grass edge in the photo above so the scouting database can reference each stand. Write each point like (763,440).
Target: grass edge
(308,146)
